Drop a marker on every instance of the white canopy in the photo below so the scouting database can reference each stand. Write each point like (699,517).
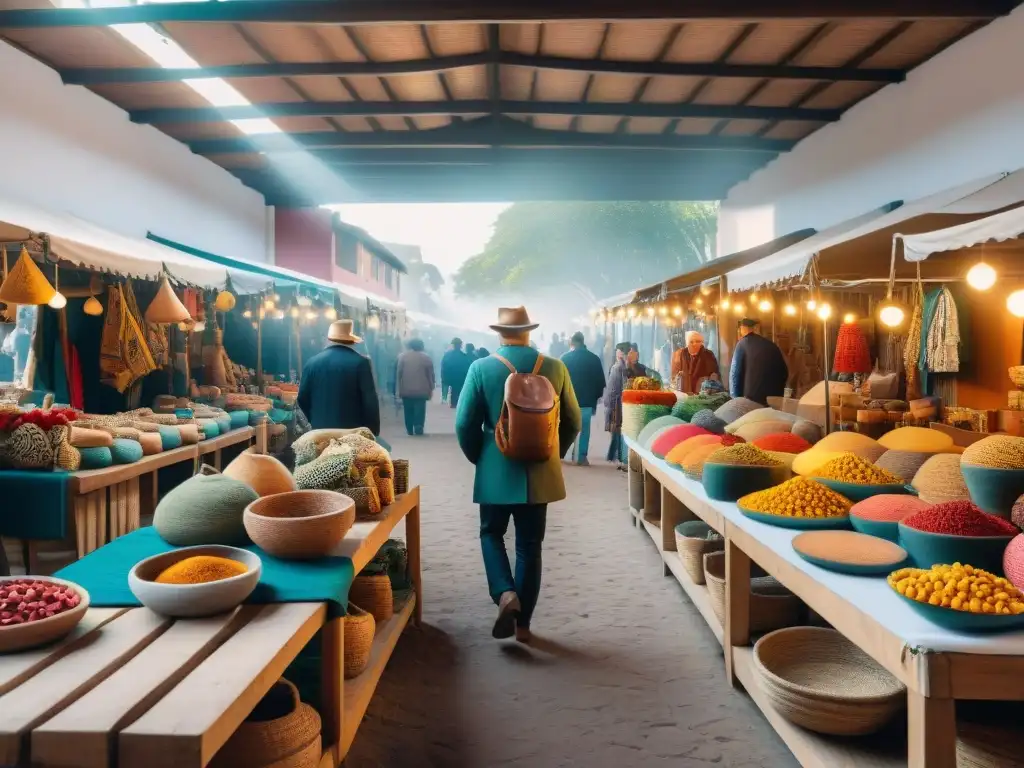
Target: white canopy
(1002,226)
(421,318)
(86,245)
(792,262)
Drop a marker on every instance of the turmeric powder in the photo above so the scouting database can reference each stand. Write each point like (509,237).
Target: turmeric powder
(200,570)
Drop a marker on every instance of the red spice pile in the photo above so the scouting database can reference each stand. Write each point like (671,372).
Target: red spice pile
(782,442)
(45,420)
(888,507)
(960,518)
(648,397)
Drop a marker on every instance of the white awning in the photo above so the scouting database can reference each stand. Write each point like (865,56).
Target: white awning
(91,247)
(792,262)
(1002,226)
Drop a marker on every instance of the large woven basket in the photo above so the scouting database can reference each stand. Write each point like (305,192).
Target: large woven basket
(359,630)
(373,592)
(819,680)
(772,606)
(401,475)
(692,543)
(281,732)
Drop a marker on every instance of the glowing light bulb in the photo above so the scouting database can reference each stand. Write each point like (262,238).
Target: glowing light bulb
(677,311)
(255,324)
(981,276)
(331,313)
(738,308)
(247,314)
(279,315)
(789,310)
(59,301)
(753,298)
(891,315)
(183,326)
(812,305)
(765,305)
(200,326)
(824,312)
(1015,303)
(294,311)
(663,310)
(849,317)
(699,302)
(268,304)
(621,313)
(650,311)
(304,301)
(725,303)
(631,312)
(311,315)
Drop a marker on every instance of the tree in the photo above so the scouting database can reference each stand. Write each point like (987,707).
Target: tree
(598,249)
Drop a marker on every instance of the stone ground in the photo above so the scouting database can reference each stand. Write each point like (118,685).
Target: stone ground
(624,672)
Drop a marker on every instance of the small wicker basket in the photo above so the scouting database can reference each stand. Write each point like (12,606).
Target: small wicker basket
(373,592)
(401,476)
(772,606)
(819,680)
(359,630)
(692,543)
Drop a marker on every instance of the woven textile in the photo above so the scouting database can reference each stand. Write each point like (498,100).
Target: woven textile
(852,353)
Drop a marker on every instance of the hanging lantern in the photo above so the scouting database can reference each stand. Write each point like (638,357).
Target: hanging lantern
(247,314)
(811,305)
(225,301)
(59,300)
(789,310)
(725,303)
(663,310)
(824,311)
(166,307)
(765,306)
(1015,303)
(650,311)
(92,307)
(891,315)
(699,302)
(981,276)
(677,311)
(631,312)
(26,283)
(852,353)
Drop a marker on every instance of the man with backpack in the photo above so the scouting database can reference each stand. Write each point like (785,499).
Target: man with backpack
(517,417)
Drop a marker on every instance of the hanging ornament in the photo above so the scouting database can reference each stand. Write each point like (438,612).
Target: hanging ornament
(225,301)
(981,276)
(92,307)
(26,283)
(166,307)
(59,300)
(852,353)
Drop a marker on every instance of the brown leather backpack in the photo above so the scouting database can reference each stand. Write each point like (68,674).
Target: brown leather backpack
(527,429)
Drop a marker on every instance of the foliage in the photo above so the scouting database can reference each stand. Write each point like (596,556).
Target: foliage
(597,248)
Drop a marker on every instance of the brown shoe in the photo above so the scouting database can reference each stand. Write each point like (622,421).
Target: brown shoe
(508,614)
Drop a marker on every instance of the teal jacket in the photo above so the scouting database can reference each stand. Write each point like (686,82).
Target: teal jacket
(500,480)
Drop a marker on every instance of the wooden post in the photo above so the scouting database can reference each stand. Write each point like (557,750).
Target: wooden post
(412,543)
(931,731)
(261,435)
(259,350)
(332,681)
(737,603)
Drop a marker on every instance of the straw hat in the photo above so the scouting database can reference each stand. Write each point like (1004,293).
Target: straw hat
(514,319)
(340,332)
(166,307)
(25,283)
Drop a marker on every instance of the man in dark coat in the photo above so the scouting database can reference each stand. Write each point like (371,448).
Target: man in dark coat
(454,367)
(337,390)
(586,371)
(759,369)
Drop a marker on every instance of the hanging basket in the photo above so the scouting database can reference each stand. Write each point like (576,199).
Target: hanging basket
(25,283)
(852,353)
(166,307)
(281,732)
(373,592)
(360,627)
(401,469)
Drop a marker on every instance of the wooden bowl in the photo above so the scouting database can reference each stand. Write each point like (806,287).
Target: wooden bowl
(194,600)
(18,637)
(299,525)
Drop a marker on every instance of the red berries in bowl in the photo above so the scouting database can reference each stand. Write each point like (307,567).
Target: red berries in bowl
(36,610)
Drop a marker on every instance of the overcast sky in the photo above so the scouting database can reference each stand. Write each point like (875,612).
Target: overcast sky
(448,233)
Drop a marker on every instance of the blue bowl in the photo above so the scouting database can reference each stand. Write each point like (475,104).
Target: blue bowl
(928,549)
(852,569)
(883,529)
(798,523)
(994,490)
(729,482)
(858,491)
(963,621)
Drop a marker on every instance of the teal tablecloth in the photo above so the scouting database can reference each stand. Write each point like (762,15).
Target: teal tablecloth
(104,574)
(33,504)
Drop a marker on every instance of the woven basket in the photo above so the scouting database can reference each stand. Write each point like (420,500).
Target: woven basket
(987,746)
(373,592)
(772,606)
(359,630)
(819,680)
(401,467)
(280,733)
(367,501)
(386,491)
(691,546)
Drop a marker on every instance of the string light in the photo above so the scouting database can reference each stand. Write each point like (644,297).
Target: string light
(1015,303)
(738,308)
(677,311)
(812,305)
(725,303)
(294,311)
(824,312)
(765,305)
(304,301)
(790,310)
(331,313)
(650,311)
(663,310)
(621,313)
(753,298)
(891,315)
(849,317)
(699,302)
(981,276)
(247,314)
(311,315)
(631,312)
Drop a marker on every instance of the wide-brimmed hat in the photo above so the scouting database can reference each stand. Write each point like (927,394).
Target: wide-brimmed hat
(515,319)
(341,332)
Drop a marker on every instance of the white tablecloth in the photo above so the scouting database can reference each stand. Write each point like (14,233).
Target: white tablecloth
(871,595)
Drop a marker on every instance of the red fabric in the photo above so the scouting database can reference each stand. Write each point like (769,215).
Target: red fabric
(852,353)
(673,436)
(647,397)
(73,367)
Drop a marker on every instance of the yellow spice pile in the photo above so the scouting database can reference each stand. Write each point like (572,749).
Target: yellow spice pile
(850,468)
(743,454)
(959,587)
(201,569)
(799,497)
(996,452)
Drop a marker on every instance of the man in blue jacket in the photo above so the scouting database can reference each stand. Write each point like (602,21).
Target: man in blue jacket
(337,390)
(587,374)
(454,367)
(759,369)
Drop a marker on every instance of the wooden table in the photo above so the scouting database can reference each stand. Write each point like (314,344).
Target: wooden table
(134,689)
(934,680)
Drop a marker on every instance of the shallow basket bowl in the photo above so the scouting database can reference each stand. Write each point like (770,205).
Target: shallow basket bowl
(798,523)
(859,491)
(963,621)
(194,600)
(729,482)
(883,529)
(299,525)
(21,636)
(994,490)
(928,549)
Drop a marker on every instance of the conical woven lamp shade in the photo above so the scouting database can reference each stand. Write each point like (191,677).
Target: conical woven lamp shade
(852,353)
(166,307)
(26,283)
(92,307)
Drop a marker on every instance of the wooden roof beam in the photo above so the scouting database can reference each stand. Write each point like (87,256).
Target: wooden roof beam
(438,11)
(105,76)
(478,107)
